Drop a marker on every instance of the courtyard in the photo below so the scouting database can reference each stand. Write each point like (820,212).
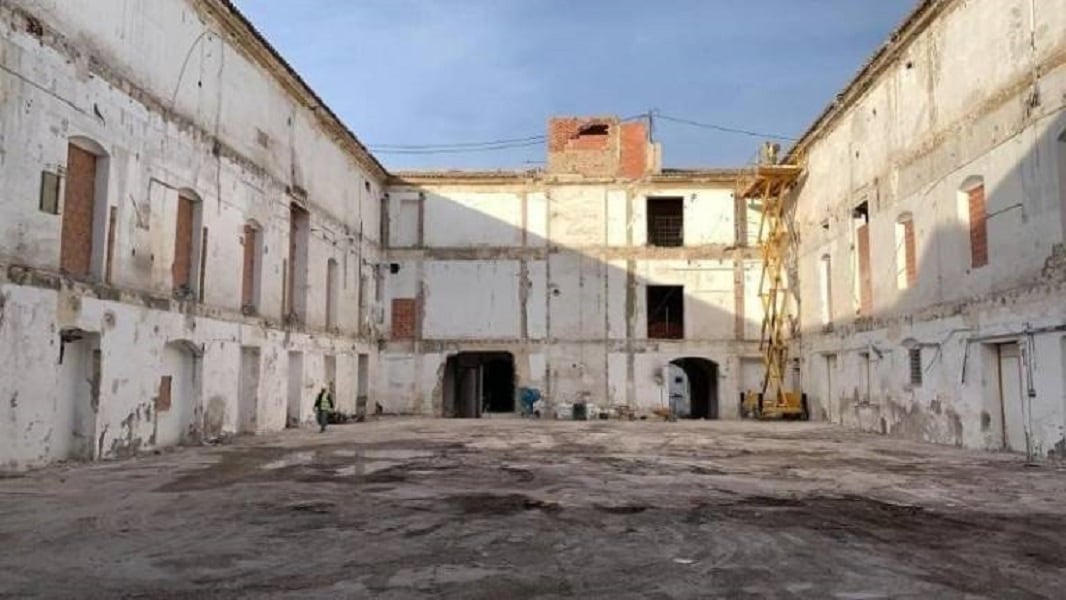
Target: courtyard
(513,508)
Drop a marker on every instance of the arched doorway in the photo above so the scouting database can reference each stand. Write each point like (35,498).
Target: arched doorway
(701,386)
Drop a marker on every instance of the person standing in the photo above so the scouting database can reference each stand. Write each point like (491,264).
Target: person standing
(324,406)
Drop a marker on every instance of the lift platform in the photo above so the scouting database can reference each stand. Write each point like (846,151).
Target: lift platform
(768,184)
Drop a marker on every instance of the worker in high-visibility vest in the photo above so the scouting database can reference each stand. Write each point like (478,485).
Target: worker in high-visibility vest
(324,406)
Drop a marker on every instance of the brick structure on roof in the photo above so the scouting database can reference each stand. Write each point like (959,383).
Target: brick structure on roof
(599,147)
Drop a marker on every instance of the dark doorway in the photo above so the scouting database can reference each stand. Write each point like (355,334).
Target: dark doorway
(478,382)
(702,386)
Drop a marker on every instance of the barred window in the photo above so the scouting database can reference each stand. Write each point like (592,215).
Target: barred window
(915,356)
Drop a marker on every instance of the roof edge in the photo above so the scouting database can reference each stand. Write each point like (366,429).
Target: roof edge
(230,16)
(511,177)
(916,22)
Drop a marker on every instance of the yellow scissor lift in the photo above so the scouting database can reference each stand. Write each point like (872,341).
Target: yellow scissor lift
(768,184)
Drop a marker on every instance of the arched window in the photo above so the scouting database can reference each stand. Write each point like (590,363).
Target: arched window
(83,242)
(973,213)
(906,260)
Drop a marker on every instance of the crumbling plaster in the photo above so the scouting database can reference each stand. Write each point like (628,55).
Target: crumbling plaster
(178,100)
(554,272)
(929,121)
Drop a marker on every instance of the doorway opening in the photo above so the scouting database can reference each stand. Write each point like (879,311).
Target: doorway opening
(177,401)
(478,382)
(699,387)
(1011,392)
(362,391)
(248,391)
(80,364)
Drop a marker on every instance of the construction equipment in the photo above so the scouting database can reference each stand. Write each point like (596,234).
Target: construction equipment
(768,184)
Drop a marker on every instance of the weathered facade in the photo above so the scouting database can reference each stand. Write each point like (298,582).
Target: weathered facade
(191,243)
(188,237)
(931,265)
(592,275)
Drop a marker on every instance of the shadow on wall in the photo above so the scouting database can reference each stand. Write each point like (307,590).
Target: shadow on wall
(958,328)
(586,322)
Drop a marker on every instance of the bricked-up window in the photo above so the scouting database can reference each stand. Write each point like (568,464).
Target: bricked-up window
(863,280)
(906,260)
(976,215)
(186,245)
(251,271)
(914,360)
(666,312)
(84,213)
(666,222)
(403,318)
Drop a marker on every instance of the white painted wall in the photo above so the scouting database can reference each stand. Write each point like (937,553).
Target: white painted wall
(471,299)
(566,314)
(267,141)
(957,102)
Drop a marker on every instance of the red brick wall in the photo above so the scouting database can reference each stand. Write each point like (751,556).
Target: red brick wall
(162,400)
(182,267)
(622,151)
(560,130)
(978,228)
(634,161)
(403,318)
(76,238)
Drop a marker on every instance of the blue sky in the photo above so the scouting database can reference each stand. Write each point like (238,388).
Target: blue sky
(448,71)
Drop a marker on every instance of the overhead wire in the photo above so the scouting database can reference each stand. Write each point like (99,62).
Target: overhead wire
(535,140)
(530,138)
(723,128)
(454,150)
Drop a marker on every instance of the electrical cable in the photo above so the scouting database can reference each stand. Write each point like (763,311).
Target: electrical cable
(458,144)
(723,128)
(451,150)
(534,140)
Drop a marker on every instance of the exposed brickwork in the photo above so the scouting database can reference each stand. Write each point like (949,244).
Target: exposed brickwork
(181,269)
(403,318)
(76,239)
(597,147)
(978,228)
(560,132)
(162,399)
(634,150)
(866,297)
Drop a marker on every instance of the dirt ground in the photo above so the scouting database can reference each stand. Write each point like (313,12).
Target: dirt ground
(511,508)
